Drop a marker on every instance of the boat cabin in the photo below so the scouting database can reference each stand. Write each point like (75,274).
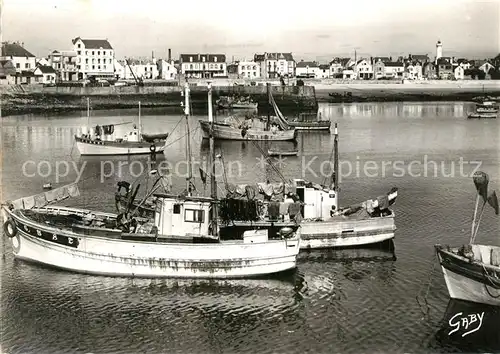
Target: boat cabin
(318,202)
(183,217)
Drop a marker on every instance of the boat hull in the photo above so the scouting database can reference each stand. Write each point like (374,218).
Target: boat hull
(117,257)
(321,125)
(226,132)
(282,153)
(466,281)
(482,116)
(92,148)
(348,233)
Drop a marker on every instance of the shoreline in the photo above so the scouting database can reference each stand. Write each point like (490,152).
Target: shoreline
(36,99)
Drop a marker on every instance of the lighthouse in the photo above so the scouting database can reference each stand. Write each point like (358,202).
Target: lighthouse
(439,50)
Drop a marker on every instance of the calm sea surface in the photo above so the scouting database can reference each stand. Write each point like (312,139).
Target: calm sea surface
(350,301)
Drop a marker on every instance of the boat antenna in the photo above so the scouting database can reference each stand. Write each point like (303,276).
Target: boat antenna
(213,182)
(188,141)
(140,130)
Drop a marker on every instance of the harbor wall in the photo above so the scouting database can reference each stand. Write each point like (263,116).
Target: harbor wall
(19,99)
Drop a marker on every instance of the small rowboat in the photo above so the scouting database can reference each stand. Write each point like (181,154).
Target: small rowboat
(481,115)
(271,152)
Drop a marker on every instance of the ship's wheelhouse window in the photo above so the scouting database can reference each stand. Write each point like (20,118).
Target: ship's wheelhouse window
(193,215)
(177,208)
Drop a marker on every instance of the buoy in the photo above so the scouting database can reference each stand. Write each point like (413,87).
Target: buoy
(9,228)
(47,186)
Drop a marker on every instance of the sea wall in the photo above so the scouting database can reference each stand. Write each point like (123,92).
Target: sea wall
(18,99)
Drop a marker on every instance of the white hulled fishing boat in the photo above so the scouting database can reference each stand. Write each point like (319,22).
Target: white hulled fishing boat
(182,240)
(101,140)
(472,271)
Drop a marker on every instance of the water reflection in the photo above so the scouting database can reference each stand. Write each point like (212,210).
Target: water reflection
(469,327)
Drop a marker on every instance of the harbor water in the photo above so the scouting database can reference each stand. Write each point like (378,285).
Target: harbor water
(389,298)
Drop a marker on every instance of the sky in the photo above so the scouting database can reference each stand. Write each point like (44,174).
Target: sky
(314,30)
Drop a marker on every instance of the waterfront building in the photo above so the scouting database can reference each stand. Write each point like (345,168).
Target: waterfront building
(413,70)
(203,66)
(95,58)
(274,65)
(141,69)
(459,72)
(324,71)
(24,62)
(337,66)
(444,68)
(45,74)
(307,69)
(429,70)
(248,70)
(64,63)
(363,69)
(166,69)
(7,72)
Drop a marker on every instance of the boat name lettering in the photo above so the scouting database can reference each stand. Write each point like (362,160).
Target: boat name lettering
(52,237)
(466,321)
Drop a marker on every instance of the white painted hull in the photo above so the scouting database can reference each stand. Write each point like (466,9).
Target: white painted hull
(94,149)
(463,288)
(349,233)
(118,257)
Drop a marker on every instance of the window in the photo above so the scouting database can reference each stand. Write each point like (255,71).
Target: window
(93,53)
(18,65)
(86,52)
(215,59)
(79,45)
(98,61)
(93,60)
(192,215)
(27,65)
(93,67)
(98,52)
(177,208)
(203,59)
(98,67)
(190,66)
(87,61)
(79,52)
(221,67)
(191,59)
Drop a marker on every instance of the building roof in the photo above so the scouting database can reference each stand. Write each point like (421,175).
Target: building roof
(94,43)
(394,63)
(305,64)
(15,50)
(324,66)
(198,58)
(273,56)
(444,61)
(45,69)
(382,59)
(420,57)
(7,68)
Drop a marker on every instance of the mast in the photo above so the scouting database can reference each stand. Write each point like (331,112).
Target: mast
(88,113)
(213,182)
(139,128)
(335,175)
(188,140)
(269,105)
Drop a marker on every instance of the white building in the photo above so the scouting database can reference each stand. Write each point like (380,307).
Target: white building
(95,58)
(324,71)
(119,68)
(203,65)
(394,69)
(459,72)
(363,69)
(22,60)
(414,71)
(64,63)
(45,74)
(141,69)
(166,69)
(307,69)
(439,51)
(248,70)
(274,65)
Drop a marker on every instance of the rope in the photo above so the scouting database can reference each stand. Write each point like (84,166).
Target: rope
(491,282)
(426,303)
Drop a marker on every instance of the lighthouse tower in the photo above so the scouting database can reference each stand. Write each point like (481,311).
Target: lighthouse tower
(439,50)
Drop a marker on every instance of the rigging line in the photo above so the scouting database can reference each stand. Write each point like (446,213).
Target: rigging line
(329,159)
(173,130)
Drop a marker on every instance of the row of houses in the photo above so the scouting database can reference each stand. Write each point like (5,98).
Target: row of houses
(95,58)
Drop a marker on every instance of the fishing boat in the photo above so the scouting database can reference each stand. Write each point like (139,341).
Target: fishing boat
(226,102)
(472,271)
(182,240)
(101,140)
(250,129)
(315,207)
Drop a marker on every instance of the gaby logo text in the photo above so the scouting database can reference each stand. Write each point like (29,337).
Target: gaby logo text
(469,323)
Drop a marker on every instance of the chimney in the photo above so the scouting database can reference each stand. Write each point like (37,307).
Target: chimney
(169,55)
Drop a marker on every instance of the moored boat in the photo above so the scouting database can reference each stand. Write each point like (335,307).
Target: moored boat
(472,271)
(102,141)
(181,240)
(482,116)
(315,207)
(250,129)
(225,102)
(278,152)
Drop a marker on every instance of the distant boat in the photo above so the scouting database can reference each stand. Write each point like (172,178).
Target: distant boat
(482,116)
(250,129)
(102,141)
(472,272)
(308,121)
(277,152)
(226,102)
